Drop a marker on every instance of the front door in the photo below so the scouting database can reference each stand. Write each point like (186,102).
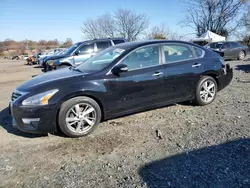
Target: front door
(141,86)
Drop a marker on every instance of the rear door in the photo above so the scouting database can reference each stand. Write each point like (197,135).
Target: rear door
(227,49)
(183,67)
(85,51)
(236,48)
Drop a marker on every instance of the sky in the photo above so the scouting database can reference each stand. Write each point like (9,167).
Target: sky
(61,19)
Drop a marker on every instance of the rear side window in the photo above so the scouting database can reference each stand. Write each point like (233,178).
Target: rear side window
(118,41)
(235,45)
(199,52)
(226,45)
(177,52)
(103,45)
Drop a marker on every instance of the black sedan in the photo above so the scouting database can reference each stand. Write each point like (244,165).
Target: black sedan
(230,50)
(120,80)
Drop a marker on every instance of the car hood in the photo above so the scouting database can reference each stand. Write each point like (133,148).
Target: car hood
(56,57)
(45,79)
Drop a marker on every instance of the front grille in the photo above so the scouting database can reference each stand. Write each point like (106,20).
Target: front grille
(15,95)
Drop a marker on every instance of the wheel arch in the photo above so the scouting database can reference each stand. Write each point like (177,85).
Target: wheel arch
(213,74)
(84,94)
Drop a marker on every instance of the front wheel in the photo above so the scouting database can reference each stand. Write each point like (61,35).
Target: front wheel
(79,116)
(242,55)
(206,91)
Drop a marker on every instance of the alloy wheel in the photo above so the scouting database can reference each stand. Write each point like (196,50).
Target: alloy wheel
(242,55)
(81,118)
(208,91)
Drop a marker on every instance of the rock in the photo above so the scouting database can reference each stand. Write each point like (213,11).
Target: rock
(8,168)
(159,134)
(126,178)
(179,145)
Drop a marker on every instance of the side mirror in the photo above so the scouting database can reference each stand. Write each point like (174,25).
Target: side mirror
(77,52)
(119,69)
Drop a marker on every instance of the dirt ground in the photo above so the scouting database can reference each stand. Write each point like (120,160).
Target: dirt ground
(177,146)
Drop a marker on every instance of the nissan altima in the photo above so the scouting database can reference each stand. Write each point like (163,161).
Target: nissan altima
(123,79)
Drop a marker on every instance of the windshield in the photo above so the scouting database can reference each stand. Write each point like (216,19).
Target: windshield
(72,48)
(101,60)
(215,45)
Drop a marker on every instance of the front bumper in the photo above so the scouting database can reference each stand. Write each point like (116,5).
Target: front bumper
(225,78)
(41,119)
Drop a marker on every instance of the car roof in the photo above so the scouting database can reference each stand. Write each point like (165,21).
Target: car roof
(103,39)
(148,42)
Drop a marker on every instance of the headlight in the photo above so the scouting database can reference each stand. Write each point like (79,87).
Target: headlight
(40,99)
(50,63)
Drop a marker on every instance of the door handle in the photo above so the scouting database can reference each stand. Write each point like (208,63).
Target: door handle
(196,65)
(157,74)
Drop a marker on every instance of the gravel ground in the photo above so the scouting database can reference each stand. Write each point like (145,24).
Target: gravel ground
(177,146)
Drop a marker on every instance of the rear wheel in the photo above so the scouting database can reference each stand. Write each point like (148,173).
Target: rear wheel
(206,91)
(242,55)
(79,116)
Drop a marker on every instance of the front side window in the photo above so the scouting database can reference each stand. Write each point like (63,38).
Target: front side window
(226,45)
(86,49)
(142,58)
(72,48)
(177,52)
(103,45)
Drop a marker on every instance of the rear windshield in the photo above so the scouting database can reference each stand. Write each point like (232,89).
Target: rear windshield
(118,41)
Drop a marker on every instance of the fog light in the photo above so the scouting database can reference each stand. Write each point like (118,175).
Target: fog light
(30,120)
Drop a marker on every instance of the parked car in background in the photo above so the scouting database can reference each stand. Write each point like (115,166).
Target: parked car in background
(33,59)
(42,59)
(25,56)
(51,52)
(79,53)
(120,80)
(230,50)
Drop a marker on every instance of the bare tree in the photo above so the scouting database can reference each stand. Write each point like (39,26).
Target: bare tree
(162,31)
(101,27)
(68,42)
(107,25)
(214,15)
(158,32)
(130,24)
(90,29)
(246,19)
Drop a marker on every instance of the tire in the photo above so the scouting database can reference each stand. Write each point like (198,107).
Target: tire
(241,55)
(68,111)
(201,94)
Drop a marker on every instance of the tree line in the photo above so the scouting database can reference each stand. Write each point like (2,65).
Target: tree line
(21,46)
